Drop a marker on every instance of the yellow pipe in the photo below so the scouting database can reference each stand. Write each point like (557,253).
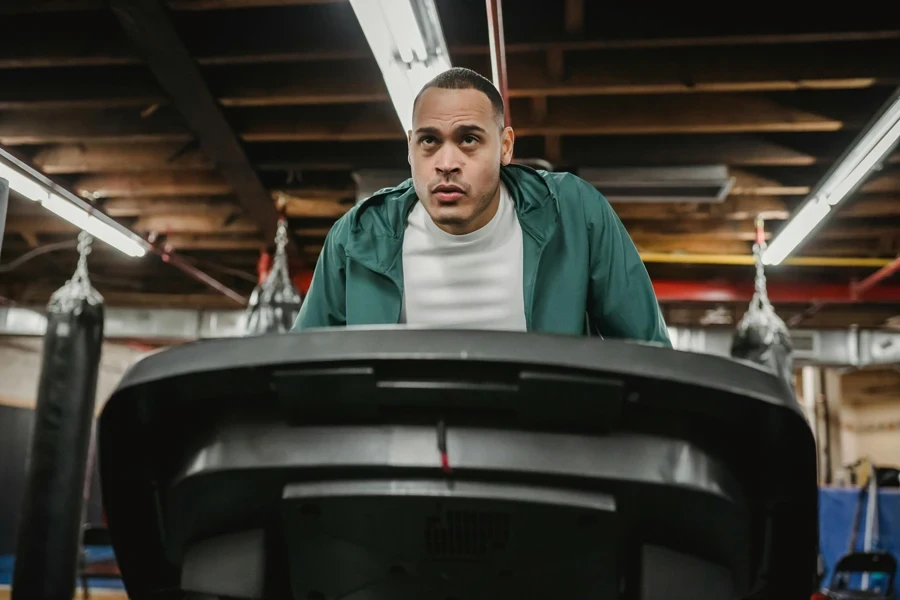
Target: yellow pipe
(741,259)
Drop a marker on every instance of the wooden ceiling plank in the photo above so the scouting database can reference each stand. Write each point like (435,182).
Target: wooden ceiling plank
(605,73)
(232,4)
(98,158)
(192,223)
(65,49)
(598,116)
(574,117)
(49,6)
(166,183)
(111,125)
(147,25)
(136,206)
(733,150)
(182,241)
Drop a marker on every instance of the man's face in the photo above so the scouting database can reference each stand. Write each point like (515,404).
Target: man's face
(456,148)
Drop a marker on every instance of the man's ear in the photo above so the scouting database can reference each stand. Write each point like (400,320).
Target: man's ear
(507,141)
(408,147)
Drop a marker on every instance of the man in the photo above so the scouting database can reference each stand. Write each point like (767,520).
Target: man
(472,241)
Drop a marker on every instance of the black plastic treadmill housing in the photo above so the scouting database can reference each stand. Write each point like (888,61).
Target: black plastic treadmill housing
(401,464)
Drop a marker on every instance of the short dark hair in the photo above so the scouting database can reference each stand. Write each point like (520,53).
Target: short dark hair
(460,78)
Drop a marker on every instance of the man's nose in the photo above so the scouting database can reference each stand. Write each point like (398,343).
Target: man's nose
(448,160)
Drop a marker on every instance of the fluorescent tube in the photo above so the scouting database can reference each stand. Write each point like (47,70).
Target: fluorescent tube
(406,39)
(868,152)
(113,234)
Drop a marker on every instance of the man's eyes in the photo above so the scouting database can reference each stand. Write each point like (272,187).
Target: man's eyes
(429,140)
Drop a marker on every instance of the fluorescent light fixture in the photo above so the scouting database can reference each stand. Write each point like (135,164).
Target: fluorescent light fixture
(74,211)
(406,39)
(23,184)
(868,152)
(800,226)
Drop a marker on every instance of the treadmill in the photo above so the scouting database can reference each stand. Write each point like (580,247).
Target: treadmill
(389,463)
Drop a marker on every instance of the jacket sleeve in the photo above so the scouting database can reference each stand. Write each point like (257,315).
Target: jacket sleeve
(621,302)
(325,302)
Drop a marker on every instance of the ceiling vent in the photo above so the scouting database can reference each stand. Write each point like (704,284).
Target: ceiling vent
(661,184)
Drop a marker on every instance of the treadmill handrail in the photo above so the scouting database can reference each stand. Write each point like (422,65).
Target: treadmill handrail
(353,344)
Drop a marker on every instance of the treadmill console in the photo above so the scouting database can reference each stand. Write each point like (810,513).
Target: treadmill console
(397,464)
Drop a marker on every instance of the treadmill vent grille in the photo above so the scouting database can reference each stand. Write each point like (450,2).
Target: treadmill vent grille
(466,534)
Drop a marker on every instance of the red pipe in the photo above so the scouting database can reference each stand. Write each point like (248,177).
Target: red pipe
(169,256)
(872,280)
(779,293)
(498,52)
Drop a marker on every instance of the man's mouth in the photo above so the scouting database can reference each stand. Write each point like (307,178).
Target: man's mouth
(447,193)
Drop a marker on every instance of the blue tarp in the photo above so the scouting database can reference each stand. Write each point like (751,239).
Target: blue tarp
(93,554)
(836,509)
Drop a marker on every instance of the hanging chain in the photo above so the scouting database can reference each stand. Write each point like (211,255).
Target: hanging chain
(78,288)
(84,249)
(281,237)
(278,281)
(761,309)
(761,295)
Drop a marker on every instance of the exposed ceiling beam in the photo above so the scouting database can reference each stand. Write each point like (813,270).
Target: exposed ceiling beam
(229,4)
(38,6)
(214,243)
(735,150)
(337,185)
(605,115)
(165,183)
(147,25)
(197,223)
(65,48)
(93,158)
(70,126)
(136,206)
(593,73)
(641,115)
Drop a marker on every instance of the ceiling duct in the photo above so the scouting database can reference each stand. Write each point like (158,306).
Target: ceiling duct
(708,184)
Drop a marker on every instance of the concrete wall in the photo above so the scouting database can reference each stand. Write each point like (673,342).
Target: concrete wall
(20,367)
(872,430)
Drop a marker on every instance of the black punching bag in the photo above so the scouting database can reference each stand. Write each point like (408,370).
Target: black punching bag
(275,303)
(53,504)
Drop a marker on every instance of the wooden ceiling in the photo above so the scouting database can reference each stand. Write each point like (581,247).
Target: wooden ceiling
(187,120)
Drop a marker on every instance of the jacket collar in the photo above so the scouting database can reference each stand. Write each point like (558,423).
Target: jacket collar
(377,224)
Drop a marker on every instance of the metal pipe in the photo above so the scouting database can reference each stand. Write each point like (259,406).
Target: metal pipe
(498,52)
(169,256)
(741,259)
(858,289)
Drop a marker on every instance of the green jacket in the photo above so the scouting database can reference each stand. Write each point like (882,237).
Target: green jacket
(582,272)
